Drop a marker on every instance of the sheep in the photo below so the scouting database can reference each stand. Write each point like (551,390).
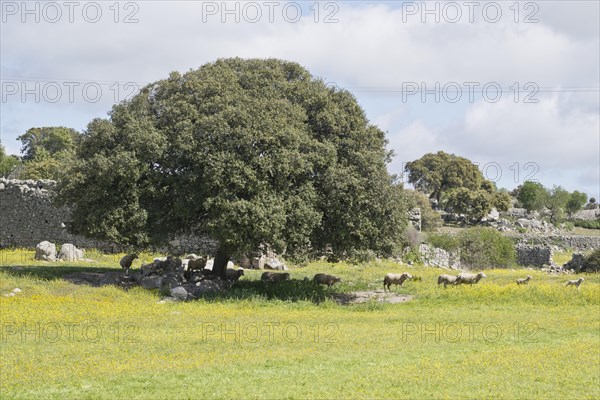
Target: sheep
(396,279)
(524,281)
(126,262)
(469,278)
(447,279)
(233,275)
(575,282)
(324,279)
(274,277)
(196,265)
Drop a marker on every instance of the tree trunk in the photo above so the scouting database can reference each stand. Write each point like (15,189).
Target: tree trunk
(220,264)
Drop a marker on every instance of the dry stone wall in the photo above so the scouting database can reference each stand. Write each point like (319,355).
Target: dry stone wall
(28,217)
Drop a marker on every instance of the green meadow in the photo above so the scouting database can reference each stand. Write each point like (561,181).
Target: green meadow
(491,340)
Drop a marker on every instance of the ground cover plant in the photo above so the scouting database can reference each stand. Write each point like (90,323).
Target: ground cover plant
(62,340)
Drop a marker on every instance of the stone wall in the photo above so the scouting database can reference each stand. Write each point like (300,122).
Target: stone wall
(534,255)
(436,257)
(567,242)
(28,217)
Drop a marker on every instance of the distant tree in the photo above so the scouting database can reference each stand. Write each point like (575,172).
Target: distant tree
(249,152)
(47,152)
(50,140)
(532,196)
(592,200)
(475,204)
(437,173)
(7,162)
(556,202)
(430,219)
(484,247)
(576,202)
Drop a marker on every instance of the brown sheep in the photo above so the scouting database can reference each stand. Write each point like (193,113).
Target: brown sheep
(324,279)
(126,262)
(233,275)
(197,264)
(274,277)
(396,279)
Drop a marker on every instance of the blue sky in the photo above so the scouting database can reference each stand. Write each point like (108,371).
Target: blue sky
(380,51)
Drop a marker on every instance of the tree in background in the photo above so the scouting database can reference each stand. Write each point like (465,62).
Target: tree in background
(532,196)
(576,202)
(250,152)
(556,202)
(430,219)
(437,174)
(7,162)
(475,204)
(47,152)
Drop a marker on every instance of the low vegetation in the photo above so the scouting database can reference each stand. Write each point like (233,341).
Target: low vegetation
(61,340)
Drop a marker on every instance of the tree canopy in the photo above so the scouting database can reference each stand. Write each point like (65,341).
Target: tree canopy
(532,195)
(7,162)
(249,152)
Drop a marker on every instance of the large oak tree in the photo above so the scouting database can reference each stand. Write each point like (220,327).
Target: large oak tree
(250,152)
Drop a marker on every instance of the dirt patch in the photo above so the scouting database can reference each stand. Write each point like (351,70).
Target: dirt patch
(379,296)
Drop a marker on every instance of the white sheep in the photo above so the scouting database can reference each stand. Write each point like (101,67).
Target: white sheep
(233,275)
(469,278)
(447,280)
(396,279)
(524,281)
(575,282)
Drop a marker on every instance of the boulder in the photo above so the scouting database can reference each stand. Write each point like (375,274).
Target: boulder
(45,251)
(208,287)
(68,252)
(275,264)
(151,282)
(179,293)
(259,262)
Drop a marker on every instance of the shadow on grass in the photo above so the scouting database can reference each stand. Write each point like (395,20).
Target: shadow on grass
(290,290)
(52,272)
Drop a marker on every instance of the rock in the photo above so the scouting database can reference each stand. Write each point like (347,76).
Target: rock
(208,287)
(11,294)
(245,262)
(275,264)
(45,251)
(179,292)
(191,257)
(68,252)
(151,282)
(259,262)
(17,290)
(209,264)
(576,263)
(170,281)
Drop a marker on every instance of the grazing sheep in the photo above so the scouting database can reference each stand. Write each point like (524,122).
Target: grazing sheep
(274,277)
(447,280)
(469,278)
(575,282)
(233,275)
(126,262)
(524,281)
(324,279)
(396,279)
(197,264)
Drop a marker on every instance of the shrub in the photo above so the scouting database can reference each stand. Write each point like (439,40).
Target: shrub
(483,247)
(443,241)
(589,224)
(592,262)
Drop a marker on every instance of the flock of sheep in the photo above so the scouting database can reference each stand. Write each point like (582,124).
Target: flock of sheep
(233,275)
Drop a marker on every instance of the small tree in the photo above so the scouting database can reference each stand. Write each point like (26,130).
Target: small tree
(576,202)
(532,196)
(557,203)
(7,162)
(475,204)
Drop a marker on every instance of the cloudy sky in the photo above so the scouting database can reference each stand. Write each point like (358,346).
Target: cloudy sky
(511,86)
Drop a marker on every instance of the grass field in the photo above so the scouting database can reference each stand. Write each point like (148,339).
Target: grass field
(492,340)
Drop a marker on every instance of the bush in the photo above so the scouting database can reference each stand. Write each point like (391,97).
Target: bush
(592,262)
(443,241)
(485,247)
(589,224)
